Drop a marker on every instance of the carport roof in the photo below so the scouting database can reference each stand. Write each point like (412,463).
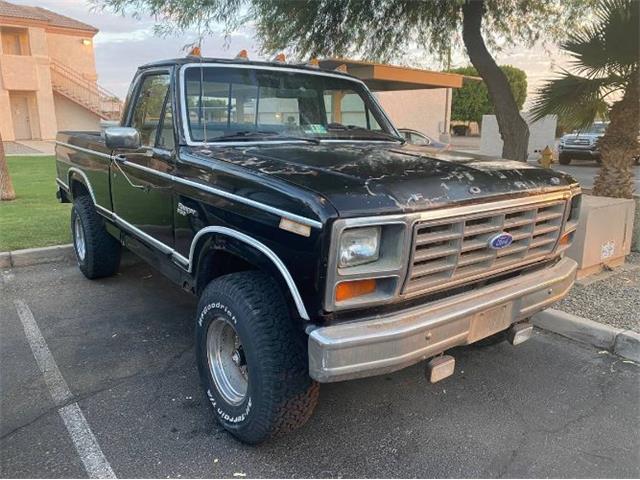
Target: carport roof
(383,77)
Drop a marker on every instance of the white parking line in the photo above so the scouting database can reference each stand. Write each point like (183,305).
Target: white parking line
(83,439)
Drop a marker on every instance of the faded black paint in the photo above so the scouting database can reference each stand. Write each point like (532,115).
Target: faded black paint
(361,179)
(320,182)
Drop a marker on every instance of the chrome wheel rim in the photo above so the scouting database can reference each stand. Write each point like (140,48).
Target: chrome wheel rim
(227,363)
(78,235)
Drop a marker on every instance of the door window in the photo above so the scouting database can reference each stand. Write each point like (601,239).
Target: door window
(165,136)
(348,108)
(148,107)
(419,140)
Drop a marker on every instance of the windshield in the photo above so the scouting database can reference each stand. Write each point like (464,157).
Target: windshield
(242,104)
(596,128)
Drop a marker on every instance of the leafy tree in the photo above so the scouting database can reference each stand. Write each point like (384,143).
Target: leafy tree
(6,185)
(472,101)
(606,58)
(381,30)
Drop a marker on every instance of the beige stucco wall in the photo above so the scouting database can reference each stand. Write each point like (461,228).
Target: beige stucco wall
(19,72)
(31,75)
(6,128)
(422,110)
(69,50)
(72,116)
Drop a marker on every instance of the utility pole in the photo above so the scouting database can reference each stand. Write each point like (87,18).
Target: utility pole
(445,135)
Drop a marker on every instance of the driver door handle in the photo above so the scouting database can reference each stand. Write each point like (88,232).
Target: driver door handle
(120,159)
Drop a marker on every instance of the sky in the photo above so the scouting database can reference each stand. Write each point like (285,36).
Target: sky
(124,43)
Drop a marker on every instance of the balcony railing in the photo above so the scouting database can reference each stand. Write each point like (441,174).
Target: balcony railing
(86,93)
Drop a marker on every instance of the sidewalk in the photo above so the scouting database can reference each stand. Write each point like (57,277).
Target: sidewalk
(29,147)
(601,310)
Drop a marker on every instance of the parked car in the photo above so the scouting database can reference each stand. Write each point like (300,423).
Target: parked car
(415,137)
(581,145)
(460,130)
(321,246)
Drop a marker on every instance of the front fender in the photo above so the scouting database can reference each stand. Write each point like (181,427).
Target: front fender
(248,249)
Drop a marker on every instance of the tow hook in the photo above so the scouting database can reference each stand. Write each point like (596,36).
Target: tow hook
(440,368)
(519,333)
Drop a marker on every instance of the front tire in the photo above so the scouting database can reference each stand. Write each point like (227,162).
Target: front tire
(564,159)
(252,358)
(97,252)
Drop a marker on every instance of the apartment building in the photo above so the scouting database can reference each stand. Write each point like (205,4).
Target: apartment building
(48,79)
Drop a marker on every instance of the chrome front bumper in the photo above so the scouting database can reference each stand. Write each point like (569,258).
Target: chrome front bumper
(380,345)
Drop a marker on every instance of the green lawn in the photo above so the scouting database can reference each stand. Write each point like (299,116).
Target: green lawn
(35,218)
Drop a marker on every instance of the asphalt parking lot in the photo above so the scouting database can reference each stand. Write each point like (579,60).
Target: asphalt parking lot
(547,408)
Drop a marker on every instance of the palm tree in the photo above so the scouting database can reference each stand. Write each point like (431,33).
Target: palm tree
(605,83)
(6,186)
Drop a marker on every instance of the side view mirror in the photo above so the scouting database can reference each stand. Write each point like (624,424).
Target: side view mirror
(117,138)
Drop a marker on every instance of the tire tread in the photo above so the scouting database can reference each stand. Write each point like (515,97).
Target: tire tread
(289,395)
(102,257)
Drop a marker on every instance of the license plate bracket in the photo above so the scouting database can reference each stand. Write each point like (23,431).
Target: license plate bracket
(490,321)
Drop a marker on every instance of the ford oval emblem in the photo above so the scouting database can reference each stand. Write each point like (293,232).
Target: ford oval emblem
(500,240)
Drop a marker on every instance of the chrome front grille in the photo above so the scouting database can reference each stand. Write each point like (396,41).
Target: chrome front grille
(578,141)
(456,250)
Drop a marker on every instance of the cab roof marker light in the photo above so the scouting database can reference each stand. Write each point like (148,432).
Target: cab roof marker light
(242,55)
(195,52)
(313,63)
(341,68)
(280,58)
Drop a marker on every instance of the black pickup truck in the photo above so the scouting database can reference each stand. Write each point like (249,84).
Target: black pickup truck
(322,247)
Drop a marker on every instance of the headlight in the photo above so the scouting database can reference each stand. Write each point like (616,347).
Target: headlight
(367,261)
(359,246)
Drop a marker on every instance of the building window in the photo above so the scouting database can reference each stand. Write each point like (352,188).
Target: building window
(15,41)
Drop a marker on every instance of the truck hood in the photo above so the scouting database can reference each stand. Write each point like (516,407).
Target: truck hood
(371,179)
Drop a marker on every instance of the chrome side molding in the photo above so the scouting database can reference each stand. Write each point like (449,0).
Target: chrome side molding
(215,191)
(188,263)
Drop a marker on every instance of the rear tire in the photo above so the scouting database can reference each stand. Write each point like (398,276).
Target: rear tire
(97,252)
(252,358)
(564,160)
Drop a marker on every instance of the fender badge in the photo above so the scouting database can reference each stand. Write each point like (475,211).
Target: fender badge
(184,210)
(500,240)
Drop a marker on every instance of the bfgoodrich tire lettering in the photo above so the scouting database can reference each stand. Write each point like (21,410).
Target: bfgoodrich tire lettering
(97,252)
(280,395)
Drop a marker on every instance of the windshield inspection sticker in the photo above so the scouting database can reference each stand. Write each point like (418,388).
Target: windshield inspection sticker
(315,128)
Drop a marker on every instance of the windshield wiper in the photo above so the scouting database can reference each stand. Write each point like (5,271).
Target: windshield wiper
(340,126)
(248,134)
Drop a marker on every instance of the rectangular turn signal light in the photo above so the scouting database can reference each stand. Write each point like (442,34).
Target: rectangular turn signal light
(566,239)
(354,288)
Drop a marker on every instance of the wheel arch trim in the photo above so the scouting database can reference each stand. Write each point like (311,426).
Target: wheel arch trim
(84,180)
(201,235)
(262,248)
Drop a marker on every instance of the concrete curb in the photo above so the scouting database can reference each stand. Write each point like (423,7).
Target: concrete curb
(36,256)
(624,343)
